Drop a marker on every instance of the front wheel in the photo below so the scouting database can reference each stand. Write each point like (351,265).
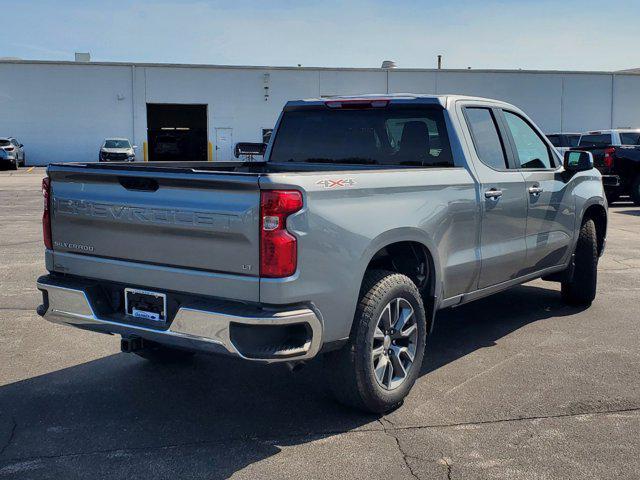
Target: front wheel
(581,289)
(377,368)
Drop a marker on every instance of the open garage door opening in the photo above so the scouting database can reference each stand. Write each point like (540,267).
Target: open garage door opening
(177,132)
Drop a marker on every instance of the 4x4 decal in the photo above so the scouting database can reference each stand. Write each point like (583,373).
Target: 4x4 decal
(339,183)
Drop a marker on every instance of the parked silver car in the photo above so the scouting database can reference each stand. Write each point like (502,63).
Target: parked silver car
(14,155)
(117,150)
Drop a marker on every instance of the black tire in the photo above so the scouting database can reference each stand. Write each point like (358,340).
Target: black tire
(581,289)
(635,190)
(350,370)
(157,353)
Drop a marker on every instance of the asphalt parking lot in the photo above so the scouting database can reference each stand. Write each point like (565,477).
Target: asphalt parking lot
(514,386)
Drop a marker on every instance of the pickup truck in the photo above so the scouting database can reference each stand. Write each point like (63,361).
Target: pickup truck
(616,153)
(367,216)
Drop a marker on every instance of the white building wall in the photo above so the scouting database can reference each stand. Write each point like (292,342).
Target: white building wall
(235,97)
(626,100)
(539,95)
(63,111)
(586,102)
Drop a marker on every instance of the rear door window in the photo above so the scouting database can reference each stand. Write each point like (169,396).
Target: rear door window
(532,151)
(486,139)
(394,135)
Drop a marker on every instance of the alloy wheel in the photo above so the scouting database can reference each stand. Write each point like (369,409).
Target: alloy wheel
(394,343)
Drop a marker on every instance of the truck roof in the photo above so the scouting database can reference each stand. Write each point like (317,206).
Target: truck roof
(421,98)
(611,130)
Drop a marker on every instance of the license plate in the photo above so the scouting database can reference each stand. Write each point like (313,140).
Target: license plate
(145,305)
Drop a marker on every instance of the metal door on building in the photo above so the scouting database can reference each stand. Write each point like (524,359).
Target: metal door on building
(224,144)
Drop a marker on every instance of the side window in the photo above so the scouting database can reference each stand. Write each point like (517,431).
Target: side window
(486,138)
(532,151)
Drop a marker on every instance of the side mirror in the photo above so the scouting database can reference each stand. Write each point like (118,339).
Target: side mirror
(577,161)
(249,149)
(21,145)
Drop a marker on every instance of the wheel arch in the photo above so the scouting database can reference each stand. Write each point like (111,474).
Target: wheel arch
(411,253)
(598,214)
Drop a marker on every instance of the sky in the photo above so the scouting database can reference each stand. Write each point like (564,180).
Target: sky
(541,34)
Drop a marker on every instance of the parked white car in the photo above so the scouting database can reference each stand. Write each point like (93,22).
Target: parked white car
(117,150)
(563,141)
(14,152)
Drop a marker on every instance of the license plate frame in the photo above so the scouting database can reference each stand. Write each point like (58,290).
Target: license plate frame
(137,303)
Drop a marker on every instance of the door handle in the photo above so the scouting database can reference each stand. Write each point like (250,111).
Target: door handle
(536,190)
(493,193)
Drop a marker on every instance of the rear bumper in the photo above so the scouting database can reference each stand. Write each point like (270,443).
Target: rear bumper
(248,332)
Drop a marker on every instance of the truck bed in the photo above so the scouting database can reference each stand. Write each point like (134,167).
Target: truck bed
(196,216)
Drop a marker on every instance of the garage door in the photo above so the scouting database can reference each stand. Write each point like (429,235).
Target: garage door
(177,132)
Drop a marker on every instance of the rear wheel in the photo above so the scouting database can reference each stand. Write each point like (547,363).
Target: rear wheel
(635,190)
(581,289)
(377,368)
(157,353)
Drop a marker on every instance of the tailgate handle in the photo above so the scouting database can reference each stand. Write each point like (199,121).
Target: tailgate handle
(138,183)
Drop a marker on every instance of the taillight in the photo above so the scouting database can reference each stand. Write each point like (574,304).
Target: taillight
(608,156)
(8,149)
(278,248)
(46,215)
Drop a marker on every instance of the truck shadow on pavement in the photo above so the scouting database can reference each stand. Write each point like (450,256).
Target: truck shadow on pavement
(120,416)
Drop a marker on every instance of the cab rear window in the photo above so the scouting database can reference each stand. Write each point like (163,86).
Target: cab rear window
(556,140)
(595,140)
(393,135)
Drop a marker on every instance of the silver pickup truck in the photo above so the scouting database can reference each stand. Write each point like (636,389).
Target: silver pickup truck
(368,215)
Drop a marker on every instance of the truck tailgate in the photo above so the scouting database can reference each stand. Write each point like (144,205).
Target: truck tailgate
(206,221)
